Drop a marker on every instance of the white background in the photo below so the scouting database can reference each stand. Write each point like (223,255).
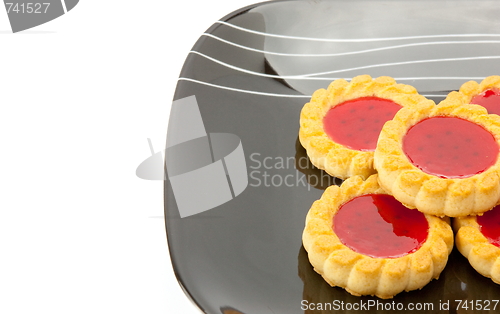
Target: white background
(79,96)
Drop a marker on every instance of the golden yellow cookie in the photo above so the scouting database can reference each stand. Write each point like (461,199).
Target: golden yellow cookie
(478,239)
(486,94)
(339,127)
(442,160)
(363,240)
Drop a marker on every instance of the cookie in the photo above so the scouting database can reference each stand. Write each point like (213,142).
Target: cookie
(478,239)
(361,239)
(442,160)
(340,125)
(485,94)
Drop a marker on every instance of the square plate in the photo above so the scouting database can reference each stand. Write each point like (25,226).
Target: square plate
(234,229)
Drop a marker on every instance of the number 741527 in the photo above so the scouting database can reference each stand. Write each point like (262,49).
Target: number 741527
(477,305)
(35,7)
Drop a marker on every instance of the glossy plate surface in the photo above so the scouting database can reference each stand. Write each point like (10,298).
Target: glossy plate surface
(251,73)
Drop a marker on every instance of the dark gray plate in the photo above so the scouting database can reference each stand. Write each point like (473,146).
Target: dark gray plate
(251,73)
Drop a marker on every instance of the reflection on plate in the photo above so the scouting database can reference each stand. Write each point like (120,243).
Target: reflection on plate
(251,73)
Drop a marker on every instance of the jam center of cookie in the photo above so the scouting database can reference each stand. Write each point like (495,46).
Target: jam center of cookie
(356,123)
(489,99)
(450,147)
(378,225)
(489,224)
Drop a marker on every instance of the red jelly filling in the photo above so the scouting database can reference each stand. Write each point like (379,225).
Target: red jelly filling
(356,123)
(489,99)
(489,223)
(378,225)
(450,147)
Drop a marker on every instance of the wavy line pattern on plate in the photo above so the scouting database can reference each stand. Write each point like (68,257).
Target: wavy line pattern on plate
(434,63)
(350,40)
